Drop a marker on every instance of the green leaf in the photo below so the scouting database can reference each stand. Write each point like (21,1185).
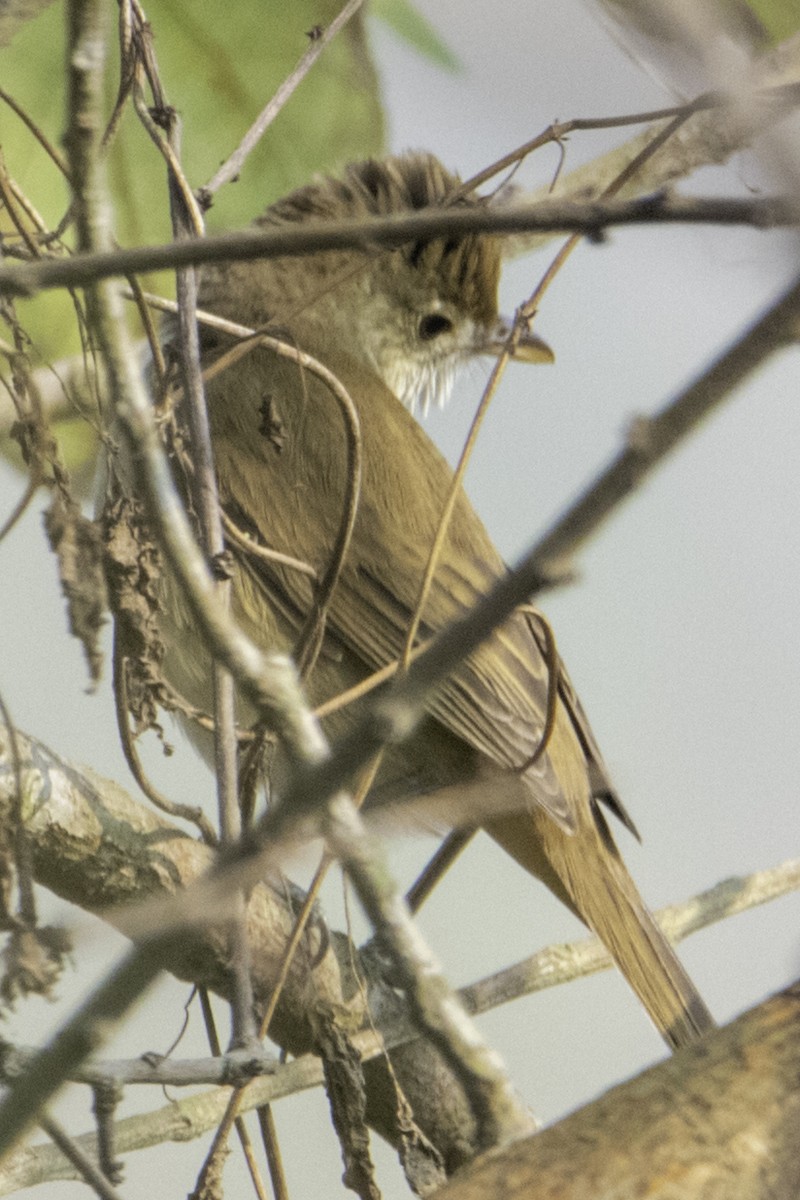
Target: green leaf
(219,65)
(780,18)
(413,28)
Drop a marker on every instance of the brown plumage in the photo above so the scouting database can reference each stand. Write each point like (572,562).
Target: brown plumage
(394,324)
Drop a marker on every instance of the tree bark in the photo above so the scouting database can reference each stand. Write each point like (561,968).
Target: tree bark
(95,846)
(717,1121)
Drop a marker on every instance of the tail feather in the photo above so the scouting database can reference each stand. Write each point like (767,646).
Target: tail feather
(590,878)
(584,869)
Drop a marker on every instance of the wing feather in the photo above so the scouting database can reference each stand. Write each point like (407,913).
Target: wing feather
(496,699)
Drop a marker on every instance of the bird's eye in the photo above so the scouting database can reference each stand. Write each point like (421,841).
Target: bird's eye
(433,325)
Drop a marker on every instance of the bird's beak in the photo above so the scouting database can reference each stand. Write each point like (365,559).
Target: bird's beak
(529,348)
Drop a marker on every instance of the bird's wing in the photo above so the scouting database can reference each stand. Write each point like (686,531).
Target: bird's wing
(496,700)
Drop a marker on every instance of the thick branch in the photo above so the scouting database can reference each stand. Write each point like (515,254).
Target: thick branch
(96,847)
(717,1119)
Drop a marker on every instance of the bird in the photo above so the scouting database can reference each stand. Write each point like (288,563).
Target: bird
(393,325)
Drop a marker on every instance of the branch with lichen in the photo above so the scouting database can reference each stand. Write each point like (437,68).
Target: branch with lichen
(102,824)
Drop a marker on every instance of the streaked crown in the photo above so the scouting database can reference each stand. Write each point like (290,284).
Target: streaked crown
(411,314)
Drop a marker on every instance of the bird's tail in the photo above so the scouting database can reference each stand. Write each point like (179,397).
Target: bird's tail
(584,869)
(586,872)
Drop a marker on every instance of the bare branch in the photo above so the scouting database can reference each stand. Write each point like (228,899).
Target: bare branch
(556,965)
(712,136)
(772,100)
(181,1119)
(590,218)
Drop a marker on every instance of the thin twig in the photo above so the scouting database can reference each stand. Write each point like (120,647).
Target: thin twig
(453,491)
(213,1158)
(553,669)
(127,71)
(437,867)
(22,505)
(161,117)
(144,310)
(553,966)
(245,542)
(232,167)
(366,685)
(10,205)
(529,309)
(185,812)
(107,1097)
(783,95)
(41,137)
(74,1152)
(556,965)
(46,236)
(269,1138)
